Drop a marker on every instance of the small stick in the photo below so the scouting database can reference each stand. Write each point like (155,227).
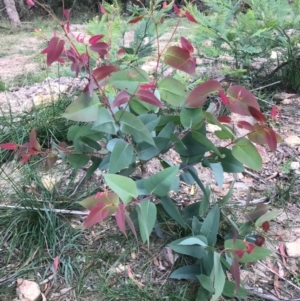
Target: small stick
(62,211)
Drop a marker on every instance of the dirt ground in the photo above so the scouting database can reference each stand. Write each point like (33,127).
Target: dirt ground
(278,180)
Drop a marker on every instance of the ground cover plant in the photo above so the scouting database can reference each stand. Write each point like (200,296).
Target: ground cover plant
(125,118)
(252,31)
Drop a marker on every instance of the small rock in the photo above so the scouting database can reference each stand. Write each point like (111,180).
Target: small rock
(212,128)
(292,140)
(287,101)
(293,248)
(295,165)
(28,290)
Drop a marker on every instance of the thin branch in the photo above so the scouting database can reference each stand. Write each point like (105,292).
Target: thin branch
(61,211)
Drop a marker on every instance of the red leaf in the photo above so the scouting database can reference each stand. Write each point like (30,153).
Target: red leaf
(274,112)
(245,125)
(177,10)
(148,86)
(102,9)
(95,39)
(165,4)
(258,134)
(271,139)
(121,52)
(56,263)
(120,99)
(259,241)
(224,98)
(104,71)
(264,135)
(250,248)
(120,218)
(100,47)
(67,13)
(190,17)
(239,253)
(240,99)
(98,213)
(30,2)
(282,253)
(148,97)
(224,119)
(79,37)
(186,45)
(257,114)
(50,161)
(130,225)
(9,146)
(180,59)
(136,19)
(25,158)
(54,50)
(266,226)
(198,95)
(67,27)
(34,146)
(235,272)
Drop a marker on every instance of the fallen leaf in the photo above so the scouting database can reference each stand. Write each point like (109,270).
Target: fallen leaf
(130,275)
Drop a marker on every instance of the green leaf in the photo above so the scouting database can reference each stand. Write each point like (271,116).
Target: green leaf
(199,183)
(105,122)
(82,136)
(96,162)
(91,143)
(206,142)
(194,241)
(258,253)
(219,277)
(195,251)
(121,156)
(196,226)
(188,272)
(129,79)
(190,150)
(218,173)
(146,211)
(191,117)
(227,197)
(210,225)
(204,204)
(203,294)
(84,108)
(147,151)
(267,217)
(167,130)
(140,107)
(172,210)
(228,161)
(229,290)
(150,121)
(78,160)
(172,91)
(206,283)
(160,183)
(246,153)
(133,126)
(123,186)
